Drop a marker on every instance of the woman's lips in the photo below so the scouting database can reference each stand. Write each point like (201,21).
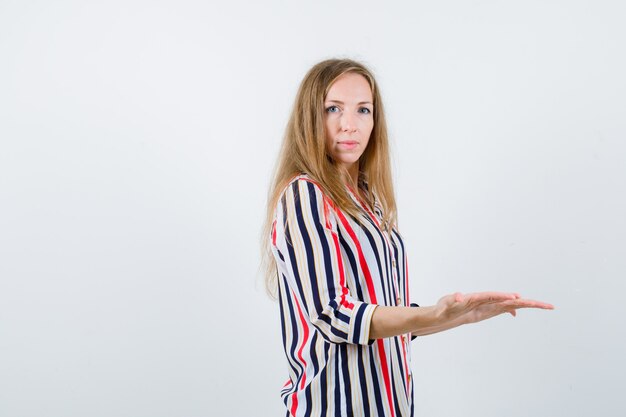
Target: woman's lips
(349,144)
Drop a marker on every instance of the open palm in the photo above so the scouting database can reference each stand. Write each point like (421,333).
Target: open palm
(475,307)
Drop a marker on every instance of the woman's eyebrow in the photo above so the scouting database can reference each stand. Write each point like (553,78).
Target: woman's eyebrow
(341,102)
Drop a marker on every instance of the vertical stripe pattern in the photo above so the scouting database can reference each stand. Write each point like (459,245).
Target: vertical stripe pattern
(332,272)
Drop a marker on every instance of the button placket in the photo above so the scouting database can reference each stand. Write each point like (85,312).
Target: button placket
(387,237)
(394,272)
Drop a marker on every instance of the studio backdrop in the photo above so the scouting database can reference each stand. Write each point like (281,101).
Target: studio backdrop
(137,140)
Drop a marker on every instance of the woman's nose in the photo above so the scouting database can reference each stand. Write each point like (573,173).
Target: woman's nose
(348,124)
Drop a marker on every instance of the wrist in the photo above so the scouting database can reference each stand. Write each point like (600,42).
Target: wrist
(425,317)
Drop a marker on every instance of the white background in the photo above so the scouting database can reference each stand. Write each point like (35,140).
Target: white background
(137,139)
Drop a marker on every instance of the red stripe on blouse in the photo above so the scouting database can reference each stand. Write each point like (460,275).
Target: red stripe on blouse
(274,232)
(305,338)
(370,289)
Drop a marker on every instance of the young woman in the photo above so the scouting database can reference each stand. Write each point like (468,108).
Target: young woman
(337,262)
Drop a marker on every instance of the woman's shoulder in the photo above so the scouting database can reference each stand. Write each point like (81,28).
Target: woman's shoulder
(305,195)
(302,183)
(302,178)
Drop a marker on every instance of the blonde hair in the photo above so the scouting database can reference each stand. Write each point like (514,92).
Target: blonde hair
(304,150)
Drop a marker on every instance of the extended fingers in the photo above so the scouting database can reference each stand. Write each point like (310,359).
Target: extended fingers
(491,297)
(524,303)
(512,299)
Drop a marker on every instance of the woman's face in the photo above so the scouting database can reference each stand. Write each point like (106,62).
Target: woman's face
(349,119)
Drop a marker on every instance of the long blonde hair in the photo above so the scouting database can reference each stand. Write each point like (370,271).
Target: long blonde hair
(304,150)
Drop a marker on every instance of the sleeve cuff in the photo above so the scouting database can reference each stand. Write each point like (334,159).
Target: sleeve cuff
(414,305)
(361,322)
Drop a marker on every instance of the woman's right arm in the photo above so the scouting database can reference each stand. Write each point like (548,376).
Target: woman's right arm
(451,311)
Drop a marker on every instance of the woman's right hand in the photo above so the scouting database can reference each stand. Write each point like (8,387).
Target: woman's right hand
(461,308)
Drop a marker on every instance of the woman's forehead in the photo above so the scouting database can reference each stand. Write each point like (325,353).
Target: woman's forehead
(350,87)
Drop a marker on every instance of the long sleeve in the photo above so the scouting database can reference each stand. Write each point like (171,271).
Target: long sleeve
(310,265)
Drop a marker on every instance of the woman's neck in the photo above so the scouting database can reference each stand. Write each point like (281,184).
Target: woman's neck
(353,171)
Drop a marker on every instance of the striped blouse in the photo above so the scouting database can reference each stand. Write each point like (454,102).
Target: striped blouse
(332,273)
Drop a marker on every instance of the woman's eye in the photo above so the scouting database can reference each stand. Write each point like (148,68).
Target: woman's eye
(364,110)
(332,109)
